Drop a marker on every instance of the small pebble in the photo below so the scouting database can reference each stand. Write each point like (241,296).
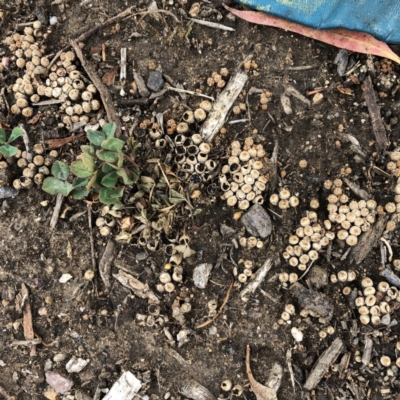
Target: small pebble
(155,81)
(317,99)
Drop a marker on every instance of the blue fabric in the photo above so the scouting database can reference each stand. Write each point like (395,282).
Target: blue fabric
(379,18)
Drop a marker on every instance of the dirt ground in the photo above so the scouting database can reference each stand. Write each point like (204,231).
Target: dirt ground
(114,329)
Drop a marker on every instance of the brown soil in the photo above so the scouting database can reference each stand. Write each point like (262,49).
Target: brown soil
(106,327)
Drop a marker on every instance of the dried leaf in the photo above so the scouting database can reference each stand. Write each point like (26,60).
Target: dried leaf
(185,250)
(344,90)
(109,77)
(342,38)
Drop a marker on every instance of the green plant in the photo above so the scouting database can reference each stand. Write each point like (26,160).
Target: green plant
(102,163)
(6,148)
(58,184)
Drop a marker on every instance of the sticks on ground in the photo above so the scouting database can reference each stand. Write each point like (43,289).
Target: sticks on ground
(104,93)
(29,334)
(375,114)
(106,262)
(56,211)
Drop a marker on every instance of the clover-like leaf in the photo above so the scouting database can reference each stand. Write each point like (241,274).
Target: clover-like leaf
(88,149)
(110,195)
(92,180)
(106,168)
(108,156)
(124,176)
(80,182)
(110,179)
(113,144)
(80,193)
(2,136)
(95,137)
(79,169)
(109,130)
(88,162)
(8,151)
(60,170)
(55,186)
(16,133)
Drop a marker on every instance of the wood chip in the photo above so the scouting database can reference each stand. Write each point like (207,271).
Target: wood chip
(222,105)
(106,262)
(324,363)
(27,322)
(125,388)
(375,114)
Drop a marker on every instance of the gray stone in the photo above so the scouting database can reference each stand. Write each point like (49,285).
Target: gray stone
(201,274)
(58,382)
(155,81)
(257,222)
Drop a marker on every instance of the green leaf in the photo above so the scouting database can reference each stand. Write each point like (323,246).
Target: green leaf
(54,186)
(2,136)
(124,176)
(95,137)
(109,130)
(120,159)
(110,179)
(79,182)
(88,149)
(16,133)
(8,151)
(65,188)
(108,156)
(88,162)
(110,195)
(197,211)
(80,193)
(113,144)
(117,205)
(79,169)
(108,168)
(60,170)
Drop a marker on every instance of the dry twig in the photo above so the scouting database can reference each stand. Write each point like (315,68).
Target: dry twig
(104,93)
(29,334)
(208,322)
(56,211)
(106,262)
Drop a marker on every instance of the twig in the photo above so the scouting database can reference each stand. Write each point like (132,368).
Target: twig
(56,143)
(387,244)
(29,334)
(25,138)
(375,114)
(324,363)
(306,271)
(208,322)
(289,363)
(56,211)
(259,277)
(216,118)
(48,102)
(366,357)
(106,262)
(175,89)
(89,208)
(5,99)
(104,93)
(302,67)
(212,25)
(142,101)
(122,74)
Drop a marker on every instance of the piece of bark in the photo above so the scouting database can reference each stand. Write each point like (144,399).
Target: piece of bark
(269,391)
(140,289)
(27,322)
(125,388)
(391,277)
(375,114)
(366,357)
(222,105)
(141,85)
(106,262)
(361,193)
(142,101)
(313,300)
(260,275)
(323,364)
(104,93)
(367,241)
(57,143)
(295,93)
(195,391)
(56,211)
